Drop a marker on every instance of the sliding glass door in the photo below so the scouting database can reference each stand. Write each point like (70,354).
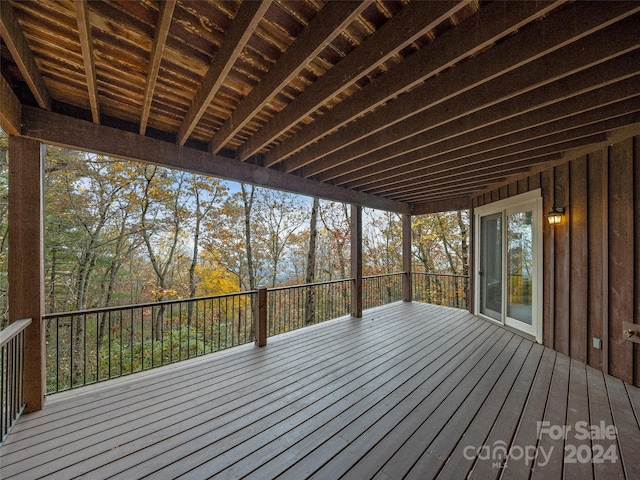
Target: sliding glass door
(490,275)
(509,249)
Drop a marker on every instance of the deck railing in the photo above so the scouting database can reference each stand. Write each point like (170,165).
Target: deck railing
(297,306)
(89,346)
(381,289)
(12,381)
(441,289)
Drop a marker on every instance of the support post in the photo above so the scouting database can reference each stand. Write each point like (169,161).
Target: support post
(407,292)
(260,317)
(26,259)
(356,261)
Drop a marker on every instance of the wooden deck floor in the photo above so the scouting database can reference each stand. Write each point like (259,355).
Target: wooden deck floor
(408,391)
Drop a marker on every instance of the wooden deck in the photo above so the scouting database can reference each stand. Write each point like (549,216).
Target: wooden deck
(408,391)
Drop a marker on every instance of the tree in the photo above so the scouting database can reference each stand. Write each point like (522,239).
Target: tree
(311,261)
(162,213)
(382,242)
(248,195)
(280,215)
(337,236)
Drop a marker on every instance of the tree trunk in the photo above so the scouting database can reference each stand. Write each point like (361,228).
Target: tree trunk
(311,262)
(194,259)
(247,199)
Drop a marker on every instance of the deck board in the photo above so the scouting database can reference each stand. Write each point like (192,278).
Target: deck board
(405,392)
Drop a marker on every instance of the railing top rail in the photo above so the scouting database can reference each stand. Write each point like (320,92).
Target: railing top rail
(13,330)
(328,282)
(379,275)
(431,274)
(144,305)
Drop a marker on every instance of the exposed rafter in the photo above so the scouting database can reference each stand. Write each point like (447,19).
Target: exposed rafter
(474,35)
(86,44)
(412,22)
(165,15)
(21,53)
(392,105)
(10,110)
(329,23)
(508,69)
(234,42)
(572,113)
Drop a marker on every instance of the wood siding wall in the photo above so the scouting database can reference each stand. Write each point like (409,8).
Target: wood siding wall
(592,259)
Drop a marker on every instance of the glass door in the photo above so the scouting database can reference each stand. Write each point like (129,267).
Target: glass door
(509,267)
(520,269)
(490,275)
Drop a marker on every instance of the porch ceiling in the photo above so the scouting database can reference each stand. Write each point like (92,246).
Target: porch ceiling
(407,106)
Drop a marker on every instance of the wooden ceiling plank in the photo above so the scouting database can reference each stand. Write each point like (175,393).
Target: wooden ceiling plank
(56,129)
(463,134)
(503,156)
(470,188)
(492,104)
(165,16)
(412,22)
(518,64)
(444,205)
(234,42)
(482,30)
(473,182)
(10,109)
(320,32)
(16,42)
(445,163)
(86,44)
(450,178)
(616,136)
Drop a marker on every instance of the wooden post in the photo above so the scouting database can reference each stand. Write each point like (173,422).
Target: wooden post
(356,261)
(407,293)
(260,317)
(26,259)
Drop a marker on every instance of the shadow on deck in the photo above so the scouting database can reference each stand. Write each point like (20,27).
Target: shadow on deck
(410,390)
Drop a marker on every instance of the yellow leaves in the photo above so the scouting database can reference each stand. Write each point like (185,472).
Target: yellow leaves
(214,279)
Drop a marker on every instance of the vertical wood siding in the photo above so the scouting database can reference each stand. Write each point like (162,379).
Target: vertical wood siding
(591,261)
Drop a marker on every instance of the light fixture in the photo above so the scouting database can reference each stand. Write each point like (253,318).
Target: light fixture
(554,217)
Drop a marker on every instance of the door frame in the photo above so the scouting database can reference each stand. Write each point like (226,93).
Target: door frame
(533,200)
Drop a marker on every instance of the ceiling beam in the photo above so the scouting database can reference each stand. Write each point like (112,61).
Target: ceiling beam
(561,100)
(23,56)
(441,165)
(86,45)
(10,109)
(539,160)
(466,186)
(165,14)
(444,205)
(476,33)
(616,136)
(314,38)
(469,189)
(234,42)
(510,157)
(481,131)
(412,22)
(518,64)
(56,129)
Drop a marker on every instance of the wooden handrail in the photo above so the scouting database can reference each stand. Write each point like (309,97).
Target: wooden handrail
(13,330)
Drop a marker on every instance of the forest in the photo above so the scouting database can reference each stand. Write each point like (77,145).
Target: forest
(118,233)
(121,233)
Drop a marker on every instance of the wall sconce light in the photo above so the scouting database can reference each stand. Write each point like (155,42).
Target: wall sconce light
(554,217)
